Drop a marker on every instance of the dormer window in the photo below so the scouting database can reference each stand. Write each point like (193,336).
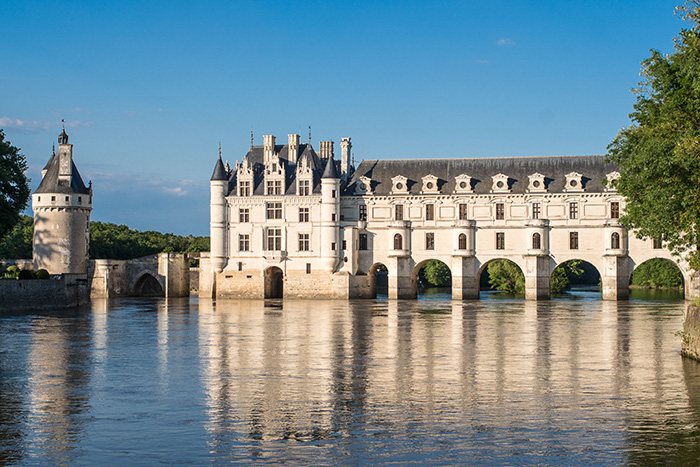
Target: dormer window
(363,186)
(536,183)
(399,185)
(573,182)
(463,184)
(500,184)
(430,184)
(612,178)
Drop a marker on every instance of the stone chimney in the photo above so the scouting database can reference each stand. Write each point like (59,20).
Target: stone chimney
(65,159)
(326,149)
(268,148)
(345,160)
(293,148)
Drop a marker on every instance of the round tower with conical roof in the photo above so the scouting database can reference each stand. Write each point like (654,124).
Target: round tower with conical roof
(330,216)
(62,205)
(218,186)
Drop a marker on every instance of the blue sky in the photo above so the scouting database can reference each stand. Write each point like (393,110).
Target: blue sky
(149,88)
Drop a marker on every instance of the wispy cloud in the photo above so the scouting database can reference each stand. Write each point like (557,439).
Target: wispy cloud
(482,62)
(504,41)
(111,182)
(132,113)
(38,126)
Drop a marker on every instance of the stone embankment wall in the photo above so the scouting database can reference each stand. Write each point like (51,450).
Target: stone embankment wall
(64,291)
(690,346)
(20,263)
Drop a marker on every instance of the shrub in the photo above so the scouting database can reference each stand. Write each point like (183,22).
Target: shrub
(25,274)
(43,274)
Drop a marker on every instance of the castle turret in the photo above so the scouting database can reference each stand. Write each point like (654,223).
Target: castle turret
(62,205)
(330,216)
(345,163)
(218,186)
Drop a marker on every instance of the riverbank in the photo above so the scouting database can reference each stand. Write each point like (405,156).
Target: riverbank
(690,346)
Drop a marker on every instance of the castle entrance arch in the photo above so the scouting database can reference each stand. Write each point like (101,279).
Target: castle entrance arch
(147,286)
(501,274)
(431,276)
(378,280)
(274,282)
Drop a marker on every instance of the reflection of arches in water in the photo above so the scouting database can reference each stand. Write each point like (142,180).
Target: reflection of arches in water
(417,287)
(274,282)
(147,286)
(483,275)
(378,276)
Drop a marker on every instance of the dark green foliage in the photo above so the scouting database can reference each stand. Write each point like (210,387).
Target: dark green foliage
(14,187)
(17,244)
(42,274)
(11,272)
(657,273)
(25,274)
(506,275)
(112,241)
(436,273)
(564,275)
(659,154)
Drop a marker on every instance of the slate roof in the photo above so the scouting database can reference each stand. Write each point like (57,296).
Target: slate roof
(51,184)
(330,171)
(219,171)
(593,169)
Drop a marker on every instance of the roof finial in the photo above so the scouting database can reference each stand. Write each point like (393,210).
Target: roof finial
(219,149)
(53,149)
(251,138)
(353,159)
(309,135)
(64,124)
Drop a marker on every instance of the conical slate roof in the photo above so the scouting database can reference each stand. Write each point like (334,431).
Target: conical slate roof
(51,184)
(330,171)
(219,171)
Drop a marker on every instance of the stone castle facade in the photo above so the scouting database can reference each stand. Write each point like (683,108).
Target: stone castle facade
(290,222)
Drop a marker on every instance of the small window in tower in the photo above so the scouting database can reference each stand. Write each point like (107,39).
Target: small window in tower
(333,194)
(38,198)
(462,241)
(80,200)
(53,198)
(573,240)
(536,241)
(363,241)
(308,268)
(345,245)
(333,246)
(240,266)
(67,198)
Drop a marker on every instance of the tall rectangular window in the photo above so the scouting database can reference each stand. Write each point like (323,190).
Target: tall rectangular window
(500,240)
(573,240)
(398,212)
(429,241)
(362,214)
(273,239)
(429,212)
(274,210)
(500,211)
(304,244)
(363,241)
(308,268)
(303,214)
(463,212)
(333,193)
(345,244)
(615,210)
(573,210)
(244,187)
(244,215)
(243,242)
(274,187)
(304,188)
(658,243)
(536,210)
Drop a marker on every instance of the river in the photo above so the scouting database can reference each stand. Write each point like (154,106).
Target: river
(574,380)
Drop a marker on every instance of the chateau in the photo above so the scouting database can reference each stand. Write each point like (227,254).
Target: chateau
(290,222)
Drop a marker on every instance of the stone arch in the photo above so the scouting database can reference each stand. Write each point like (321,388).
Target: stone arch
(484,265)
(374,270)
(416,272)
(147,285)
(684,278)
(274,282)
(588,268)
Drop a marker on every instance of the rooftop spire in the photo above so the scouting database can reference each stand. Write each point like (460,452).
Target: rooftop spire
(309,135)
(251,138)
(219,149)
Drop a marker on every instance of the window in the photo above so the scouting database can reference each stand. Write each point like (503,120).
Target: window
(500,240)
(615,241)
(244,215)
(429,241)
(304,188)
(345,245)
(362,213)
(573,240)
(463,211)
(573,210)
(614,210)
(80,200)
(243,242)
(363,241)
(244,187)
(308,268)
(274,187)
(658,243)
(273,239)
(333,246)
(240,266)
(500,211)
(304,242)
(429,212)
(67,198)
(462,242)
(53,198)
(536,210)
(333,194)
(333,217)
(398,212)
(536,241)
(274,210)
(398,242)
(303,214)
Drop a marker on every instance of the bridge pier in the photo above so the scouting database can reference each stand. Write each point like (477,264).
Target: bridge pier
(400,277)
(537,277)
(615,277)
(465,284)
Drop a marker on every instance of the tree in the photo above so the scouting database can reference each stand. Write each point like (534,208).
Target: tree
(659,154)
(436,273)
(506,275)
(657,273)
(14,186)
(17,244)
(563,275)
